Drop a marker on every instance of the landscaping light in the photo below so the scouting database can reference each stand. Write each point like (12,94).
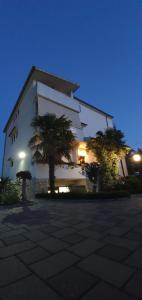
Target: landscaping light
(136,157)
(22,155)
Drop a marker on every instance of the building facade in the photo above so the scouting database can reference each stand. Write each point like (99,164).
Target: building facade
(45,93)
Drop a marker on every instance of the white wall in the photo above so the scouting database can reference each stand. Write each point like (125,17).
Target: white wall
(95,120)
(58,97)
(46,105)
(49,101)
(63,172)
(25,132)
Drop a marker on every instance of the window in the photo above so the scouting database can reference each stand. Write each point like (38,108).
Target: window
(81,160)
(13,134)
(11,162)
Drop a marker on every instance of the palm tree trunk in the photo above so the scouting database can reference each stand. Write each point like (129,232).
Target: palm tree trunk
(52,174)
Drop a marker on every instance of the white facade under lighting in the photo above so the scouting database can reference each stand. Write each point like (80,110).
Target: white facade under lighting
(46,93)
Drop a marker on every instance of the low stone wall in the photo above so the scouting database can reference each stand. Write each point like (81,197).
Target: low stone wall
(41,185)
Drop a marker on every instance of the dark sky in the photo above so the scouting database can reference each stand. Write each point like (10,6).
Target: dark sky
(97,43)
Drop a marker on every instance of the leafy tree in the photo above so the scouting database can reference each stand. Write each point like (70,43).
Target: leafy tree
(52,142)
(24,175)
(92,172)
(108,147)
(4,183)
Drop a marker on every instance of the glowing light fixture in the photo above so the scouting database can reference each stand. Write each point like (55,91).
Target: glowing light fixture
(22,155)
(81,152)
(136,157)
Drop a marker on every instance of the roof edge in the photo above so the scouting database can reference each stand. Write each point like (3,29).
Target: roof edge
(94,107)
(34,68)
(19,97)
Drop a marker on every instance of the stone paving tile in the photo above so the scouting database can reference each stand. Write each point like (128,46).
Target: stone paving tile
(135,260)
(104,291)
(72,283)
(63,232)
(134,286)
(33,255)
(15,249)
(30,288)
(73,238)
(122,242)
(98,228)
(53,245)
(4,228)
(108,270)
(12,233)
(14,239)
(86,247)
(81,225)
(136,236)
(114,252)
(119,230)
(1,244)
(49,228)
(54,264)
(11,269)
(138,228)
(95,223)
(36,235)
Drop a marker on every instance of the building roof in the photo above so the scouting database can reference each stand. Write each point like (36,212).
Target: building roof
(60,84)
(92,106)
(53,81)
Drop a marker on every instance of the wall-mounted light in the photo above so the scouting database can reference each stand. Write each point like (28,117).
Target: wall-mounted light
(81,152)
(22,155)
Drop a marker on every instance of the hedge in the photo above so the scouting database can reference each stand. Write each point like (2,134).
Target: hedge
(85,196)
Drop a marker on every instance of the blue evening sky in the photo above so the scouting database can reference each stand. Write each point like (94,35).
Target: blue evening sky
(97,43)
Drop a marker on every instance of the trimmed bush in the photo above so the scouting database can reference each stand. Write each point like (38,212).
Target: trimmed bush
(133,184)
(85,196)
(11,195)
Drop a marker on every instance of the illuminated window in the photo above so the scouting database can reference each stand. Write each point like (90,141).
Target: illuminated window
(81,154)
(81,160)
(64,189)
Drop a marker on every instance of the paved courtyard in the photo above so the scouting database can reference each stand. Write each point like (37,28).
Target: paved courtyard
(71,250)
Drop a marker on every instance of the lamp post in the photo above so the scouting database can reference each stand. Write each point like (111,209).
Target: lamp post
(136,157)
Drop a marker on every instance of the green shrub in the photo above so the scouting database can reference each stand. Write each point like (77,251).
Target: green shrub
(84,196)
(133,184)
(12,193)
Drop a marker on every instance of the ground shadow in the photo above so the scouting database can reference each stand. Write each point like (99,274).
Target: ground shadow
(27,215)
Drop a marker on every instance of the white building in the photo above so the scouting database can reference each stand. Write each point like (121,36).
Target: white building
(45,93)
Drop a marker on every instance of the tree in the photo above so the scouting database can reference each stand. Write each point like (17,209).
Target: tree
(92,172)
(4,183)
(109,148)
(24,175)
(52,142)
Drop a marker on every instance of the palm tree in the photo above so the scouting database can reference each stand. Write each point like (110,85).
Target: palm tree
(52,142)
(108,147)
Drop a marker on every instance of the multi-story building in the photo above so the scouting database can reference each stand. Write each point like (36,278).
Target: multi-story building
(45,93)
